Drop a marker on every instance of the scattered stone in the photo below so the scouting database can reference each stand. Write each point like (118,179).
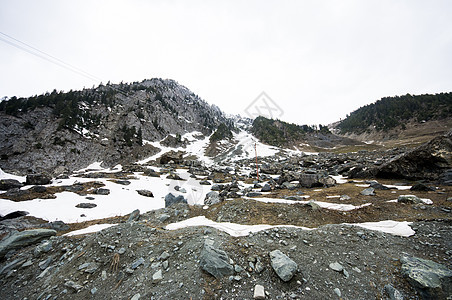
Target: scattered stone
(59,225)
(134,216)
(266,188)
(24,238)
(86,205)
(420,187)
(102,191)
(345,198)
(122,182)
(393,293)
(93,290)
(12,265)
(170,199)
(283,265)
(430,279)
(136,297)
(137,263)
(313,205)
(336,267)
(215,261)
(253,194)
(75,286)
(410,199)
(157,276)
(338,292)
(44,247)
(204,182)
(212,198)
(259,292)
(164,256)
(368,192)
(145,193)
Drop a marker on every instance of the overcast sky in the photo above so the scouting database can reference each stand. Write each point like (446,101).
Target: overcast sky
(317,60)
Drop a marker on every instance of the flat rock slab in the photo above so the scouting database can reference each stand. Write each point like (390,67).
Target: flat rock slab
(283,265)
(430,279)
(24,238)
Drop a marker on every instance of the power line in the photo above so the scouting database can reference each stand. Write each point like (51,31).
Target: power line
(43,55)
(52,59)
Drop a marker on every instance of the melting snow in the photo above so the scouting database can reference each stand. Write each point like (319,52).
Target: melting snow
(90,229)
(392,227)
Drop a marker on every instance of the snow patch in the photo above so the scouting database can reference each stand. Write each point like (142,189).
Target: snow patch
(89,229)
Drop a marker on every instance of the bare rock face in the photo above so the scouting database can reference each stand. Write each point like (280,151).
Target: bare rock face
(428,161)
(38,179)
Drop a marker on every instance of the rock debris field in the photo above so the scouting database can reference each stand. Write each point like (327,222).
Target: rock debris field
(190,231)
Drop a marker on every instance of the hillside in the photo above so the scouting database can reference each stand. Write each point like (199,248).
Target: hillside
(391,116)
(282,134)
(63,131)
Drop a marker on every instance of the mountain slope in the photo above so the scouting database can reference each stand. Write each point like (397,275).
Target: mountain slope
(408,119)
(59,132)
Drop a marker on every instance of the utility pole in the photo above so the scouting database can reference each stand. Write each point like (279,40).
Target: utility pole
(257,168)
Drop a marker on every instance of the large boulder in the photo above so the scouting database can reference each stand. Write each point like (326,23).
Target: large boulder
(212,198)
(429,161)
(430,279)
(215,261)
(38,179)
(24,238)
(7,184)
(283,265)
(171,157)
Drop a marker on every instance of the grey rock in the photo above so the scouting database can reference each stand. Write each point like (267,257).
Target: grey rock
(266,188)
(212,198)
(368,192)
(345,198)
(134,216)
(38,189)
(38,179)
(259,267)
(430,279)
(163,217)
(12,265)
(7,184)
(338,292)
(157,276)
(93,290)
(336,267)
(410,199)
(253,194)
(215,261)
(283,265)
(217,187)
(24,238)
(204,182)
(313,205)
(14,215)
(86,205)
(74,286)
(289,186)
(170,199)
(44,247)
(393,294)
(102,191)
(137,263)
(259,292)
(136,297)
(164,256)
(145,193)
(59,225)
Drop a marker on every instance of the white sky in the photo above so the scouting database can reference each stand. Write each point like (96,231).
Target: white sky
(318,60)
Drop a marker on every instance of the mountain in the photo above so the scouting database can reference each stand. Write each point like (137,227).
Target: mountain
(63,131)
(282,134)
(409,119)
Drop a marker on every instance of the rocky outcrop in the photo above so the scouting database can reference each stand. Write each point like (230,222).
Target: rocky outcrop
(175,157)
(24,238)
(7,184)
(428,161)
(430,279)
(170,200)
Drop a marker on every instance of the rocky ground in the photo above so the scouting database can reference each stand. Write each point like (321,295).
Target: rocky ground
(141,258)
